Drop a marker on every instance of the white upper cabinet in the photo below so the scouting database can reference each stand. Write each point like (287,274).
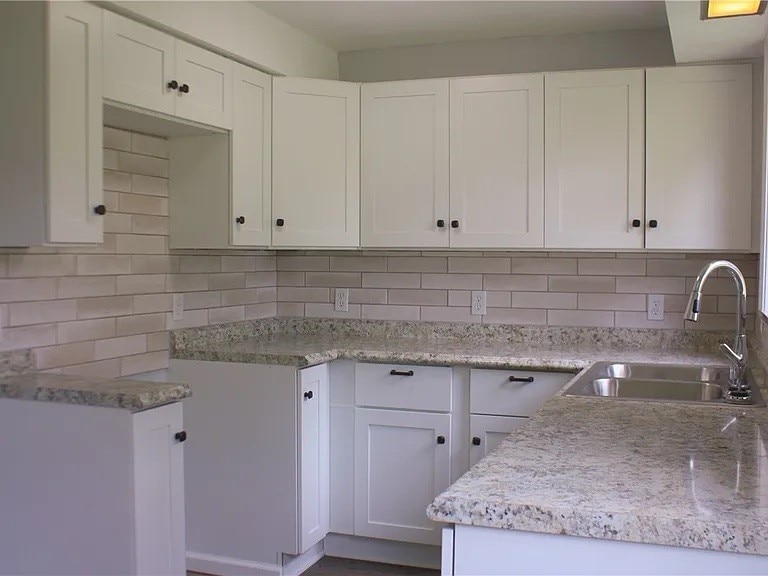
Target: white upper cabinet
(316,163)
(699,157)
(404,184)
(594,143)
(149,69)
(251,155)
(497,162)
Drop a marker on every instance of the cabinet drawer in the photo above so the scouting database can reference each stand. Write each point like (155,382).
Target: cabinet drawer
(400,386)
(492,391)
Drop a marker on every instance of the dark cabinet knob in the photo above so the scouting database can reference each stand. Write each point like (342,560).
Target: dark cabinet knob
(181,436)
(308,395)
(184,88)
(653,224)
(527,379)
(441,439)
(400,373)
(173,85)
(441,223)
(636,223)
(100,209)
(454,223)
(280,222)
(476,441)
(240,219)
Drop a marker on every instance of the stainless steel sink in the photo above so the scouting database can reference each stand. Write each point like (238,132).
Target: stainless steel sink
(656,382)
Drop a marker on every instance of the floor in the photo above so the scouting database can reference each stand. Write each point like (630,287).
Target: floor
(340,567)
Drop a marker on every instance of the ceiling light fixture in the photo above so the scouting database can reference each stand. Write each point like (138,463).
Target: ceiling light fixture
(711,9)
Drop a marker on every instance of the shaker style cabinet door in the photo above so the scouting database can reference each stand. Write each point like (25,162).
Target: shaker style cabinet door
(594,144)
(138,64)
(315,163)
(699,157)
(497,162)
(487,432)
(205,86)
(251,155)
(404,179)
(402,462)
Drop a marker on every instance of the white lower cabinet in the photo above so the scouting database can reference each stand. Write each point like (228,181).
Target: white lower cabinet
(487,432)
(402,462)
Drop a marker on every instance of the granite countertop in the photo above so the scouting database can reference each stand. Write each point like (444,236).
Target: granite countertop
(132,395)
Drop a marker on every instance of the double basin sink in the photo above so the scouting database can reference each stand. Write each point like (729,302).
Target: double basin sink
(659,382)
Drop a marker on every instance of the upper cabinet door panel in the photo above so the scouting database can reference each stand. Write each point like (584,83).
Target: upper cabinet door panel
(699,157)
(316,163)
(205,86)
(594,150)
(251,154)
(138,64)
(497,161)
(74,123)
(404,184)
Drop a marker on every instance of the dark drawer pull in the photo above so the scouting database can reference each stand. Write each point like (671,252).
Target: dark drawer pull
(180,436)
(476,441)
(398,373)
(441,439)
(529,379)
(308,395)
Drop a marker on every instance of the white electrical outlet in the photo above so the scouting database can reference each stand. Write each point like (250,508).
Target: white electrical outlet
(479,302)
(655,307)
(341,303)
(178,307)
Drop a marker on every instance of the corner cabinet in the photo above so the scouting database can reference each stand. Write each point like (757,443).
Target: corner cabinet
(315,163)
(699,157)
(51,141)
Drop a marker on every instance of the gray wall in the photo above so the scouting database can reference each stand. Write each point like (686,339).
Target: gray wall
(635,48)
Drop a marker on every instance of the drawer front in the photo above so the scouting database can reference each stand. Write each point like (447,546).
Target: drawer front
(492,392)
(400,386)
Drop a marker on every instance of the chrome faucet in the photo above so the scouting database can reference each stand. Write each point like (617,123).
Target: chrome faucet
(739,391)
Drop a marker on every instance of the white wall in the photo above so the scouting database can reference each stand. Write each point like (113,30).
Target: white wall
(242,31)
(510,55)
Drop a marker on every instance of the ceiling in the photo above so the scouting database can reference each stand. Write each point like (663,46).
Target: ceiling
(350,25)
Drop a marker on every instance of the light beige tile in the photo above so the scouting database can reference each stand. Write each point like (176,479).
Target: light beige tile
(358,264)
(116,182)
(191,319)
(84,286)
(100,369)
(143,204)
(24,313)
(122,346)
(515,316)
(646,255)
(149,145)
(157,341)
(422,264)
(149,185)
(266,294)
(224,315)
(141,324)
(238,263)
(303,263)
(260,279)
(334,279)
(228,281)
(452,253)
(103,264)
(3,315)
(152,303)
(529,283)
(725,322)
(419,297)
(64,355)
(85,330)
(154,264)
(298,294)
(677,303)
(290,309)
(112,201)
(582,283)
(611,267)
(687,267)
(144,224)
(104,307)
(383,312)
(143,363)
(117,223)
(198,300)
(28,336)
(263,310)
(26,289)
(186,282)
(672,320)
(479,265)
(36,265)
(291,279)
(141,284)
(139,164)
(141,244)
(110,160)
(116,139)
(628,302)
(727,304)
(196,264)
(721,286)
(579,318)
(3,265)
(494,299)
(238,297)
(575,254)
(367,296)
(326,310)
(544,300)
(391,280)
(543,266)
(650,285)
(452,281)
(448,314)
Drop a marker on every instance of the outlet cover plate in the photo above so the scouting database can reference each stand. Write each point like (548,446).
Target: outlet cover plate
(655,307)
(178,307)
(341,300)
(479,302)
